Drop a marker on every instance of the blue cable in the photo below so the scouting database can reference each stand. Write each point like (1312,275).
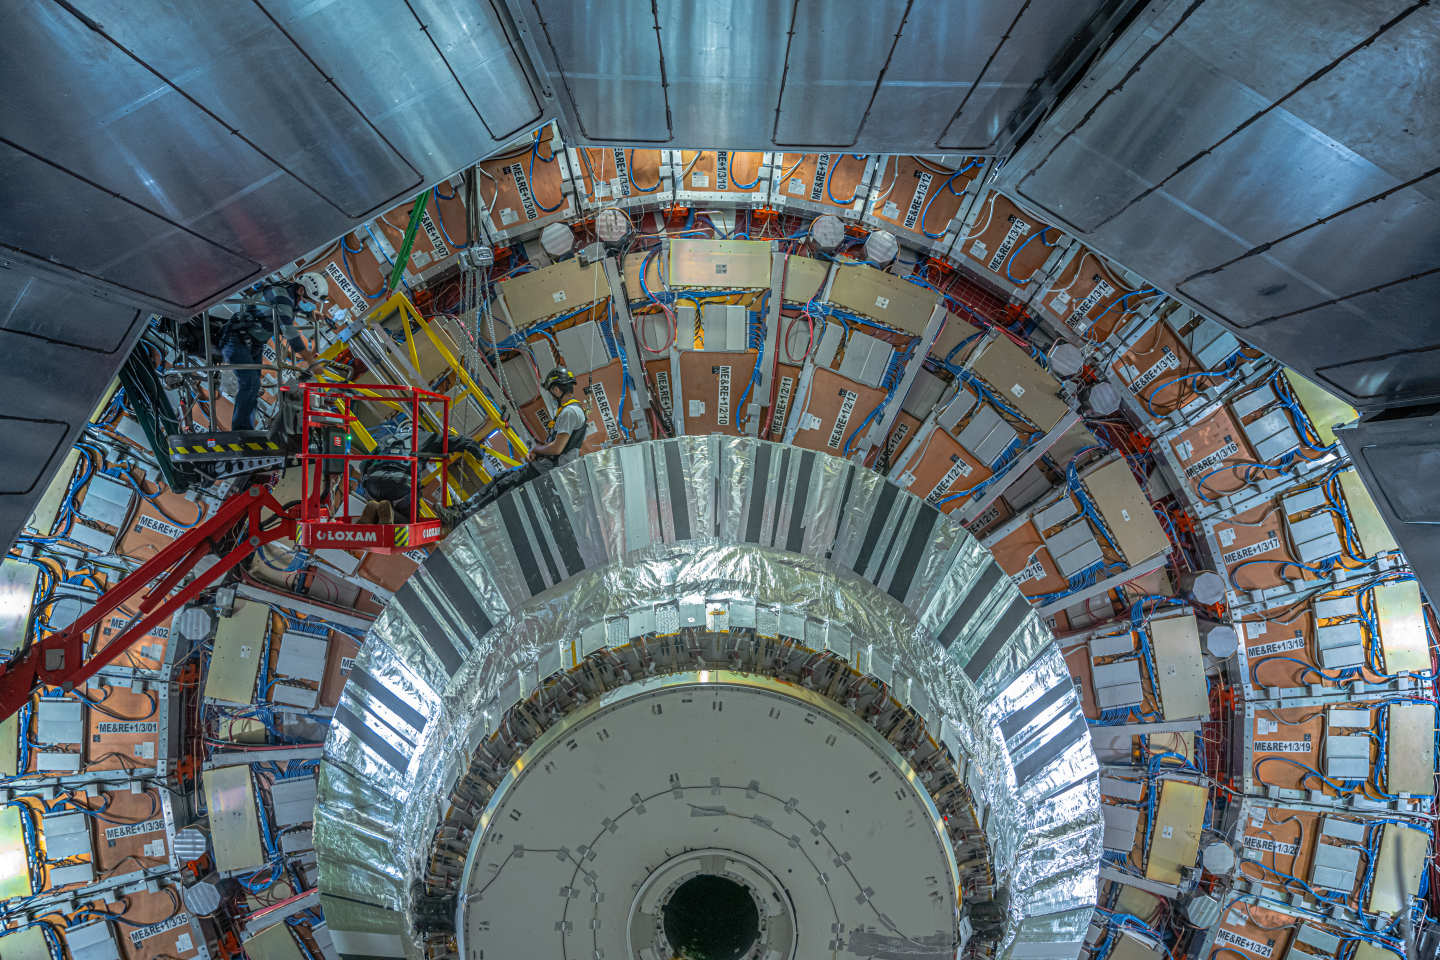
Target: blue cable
(535,152)
(1022,246)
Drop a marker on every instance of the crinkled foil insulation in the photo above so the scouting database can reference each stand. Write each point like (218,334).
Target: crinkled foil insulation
(875,573)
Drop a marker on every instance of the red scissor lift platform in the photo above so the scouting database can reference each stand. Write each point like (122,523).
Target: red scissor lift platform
(329,418)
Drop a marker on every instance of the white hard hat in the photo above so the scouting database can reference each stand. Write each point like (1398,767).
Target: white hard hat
(315,285)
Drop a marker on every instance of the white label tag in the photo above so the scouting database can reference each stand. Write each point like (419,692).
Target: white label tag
(141,934)
(337,277)
(1077,320)
(607,416)
(1060,301)
(1168,361)
(1283,746)
(882,302)
(1034,571)
(1256,629)
(183,943)
(133,829)
(722,412)
(621,183)
(1018,228)
(146,750)
(895,438)
(129,726)
(1245,943)
(244,652)
(847,406)
(558,296)
(1017,390)
(722,170)
(890,211)
(662,390)
(1210,460)
(797,186)
(345,664)
(602,190)
(1277,646)
(1125,515)
(508,216)
(437,239)
(698,180)
(420,259)
(1167,832)
(822,167)
(159,526)
(522,185)
(782,401)
(904,480)
(917,202)
(155,848)
(989,514)
(697,408)
(1226,536)
(977,250)
(1255,549)
(809,422)
(1183,449)
(958,468)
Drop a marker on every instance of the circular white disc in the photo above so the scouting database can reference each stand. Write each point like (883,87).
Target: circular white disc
(1218,858)
(557,239)
(1066,360)
(754,770)
(201,899)
(1208,588)
(1202,910)
(611,225)
(827,231)
(1221,642)
(881,247)
(190,844)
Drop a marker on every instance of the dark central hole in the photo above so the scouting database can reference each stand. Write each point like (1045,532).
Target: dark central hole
(711,918)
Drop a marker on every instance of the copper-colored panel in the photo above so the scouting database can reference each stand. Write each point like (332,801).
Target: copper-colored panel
(783,385)
(606,405)
(1264,936)
(150,531)
(841,405)
(1284,840)
(719,171)
(842,171)
(136,839)
(1283,736)
(712,384)
(942,458)
(500,185)
(338,660)
(130,738)
(1083,294)
(903,178)
(1152,369)
(162,927)
(1004,240)
(388,570)
(1272,648)
(662,391)
(1206,452)
(1023,555)
(1255,535)
(1077,661)
(901,433)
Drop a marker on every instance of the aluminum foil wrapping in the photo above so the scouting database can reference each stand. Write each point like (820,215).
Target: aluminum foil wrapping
(716,521)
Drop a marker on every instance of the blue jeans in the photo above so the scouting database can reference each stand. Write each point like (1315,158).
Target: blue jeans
(243,417)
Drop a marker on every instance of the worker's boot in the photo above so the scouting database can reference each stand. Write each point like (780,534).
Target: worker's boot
(387,512)
(371,513)
(450,518)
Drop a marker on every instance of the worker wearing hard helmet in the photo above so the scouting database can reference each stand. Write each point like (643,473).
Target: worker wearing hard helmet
(243,338)
(567,435)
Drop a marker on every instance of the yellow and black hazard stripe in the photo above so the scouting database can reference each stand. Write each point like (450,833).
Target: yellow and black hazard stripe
(402,535)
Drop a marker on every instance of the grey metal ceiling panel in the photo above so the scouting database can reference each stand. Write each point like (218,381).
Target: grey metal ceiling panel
(1399,459)
(1266,163)
(744,42)
(607,62)
(837,54)
(238,66)
(885,76)
(107,237)
(430,92)
(1020,44)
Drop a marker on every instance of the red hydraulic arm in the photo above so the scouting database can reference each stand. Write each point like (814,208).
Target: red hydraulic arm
(57,660)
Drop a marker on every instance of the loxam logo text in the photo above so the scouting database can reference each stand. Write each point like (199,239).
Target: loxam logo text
(348,536)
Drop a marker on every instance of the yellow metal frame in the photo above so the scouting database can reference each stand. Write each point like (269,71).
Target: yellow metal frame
(401,303)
